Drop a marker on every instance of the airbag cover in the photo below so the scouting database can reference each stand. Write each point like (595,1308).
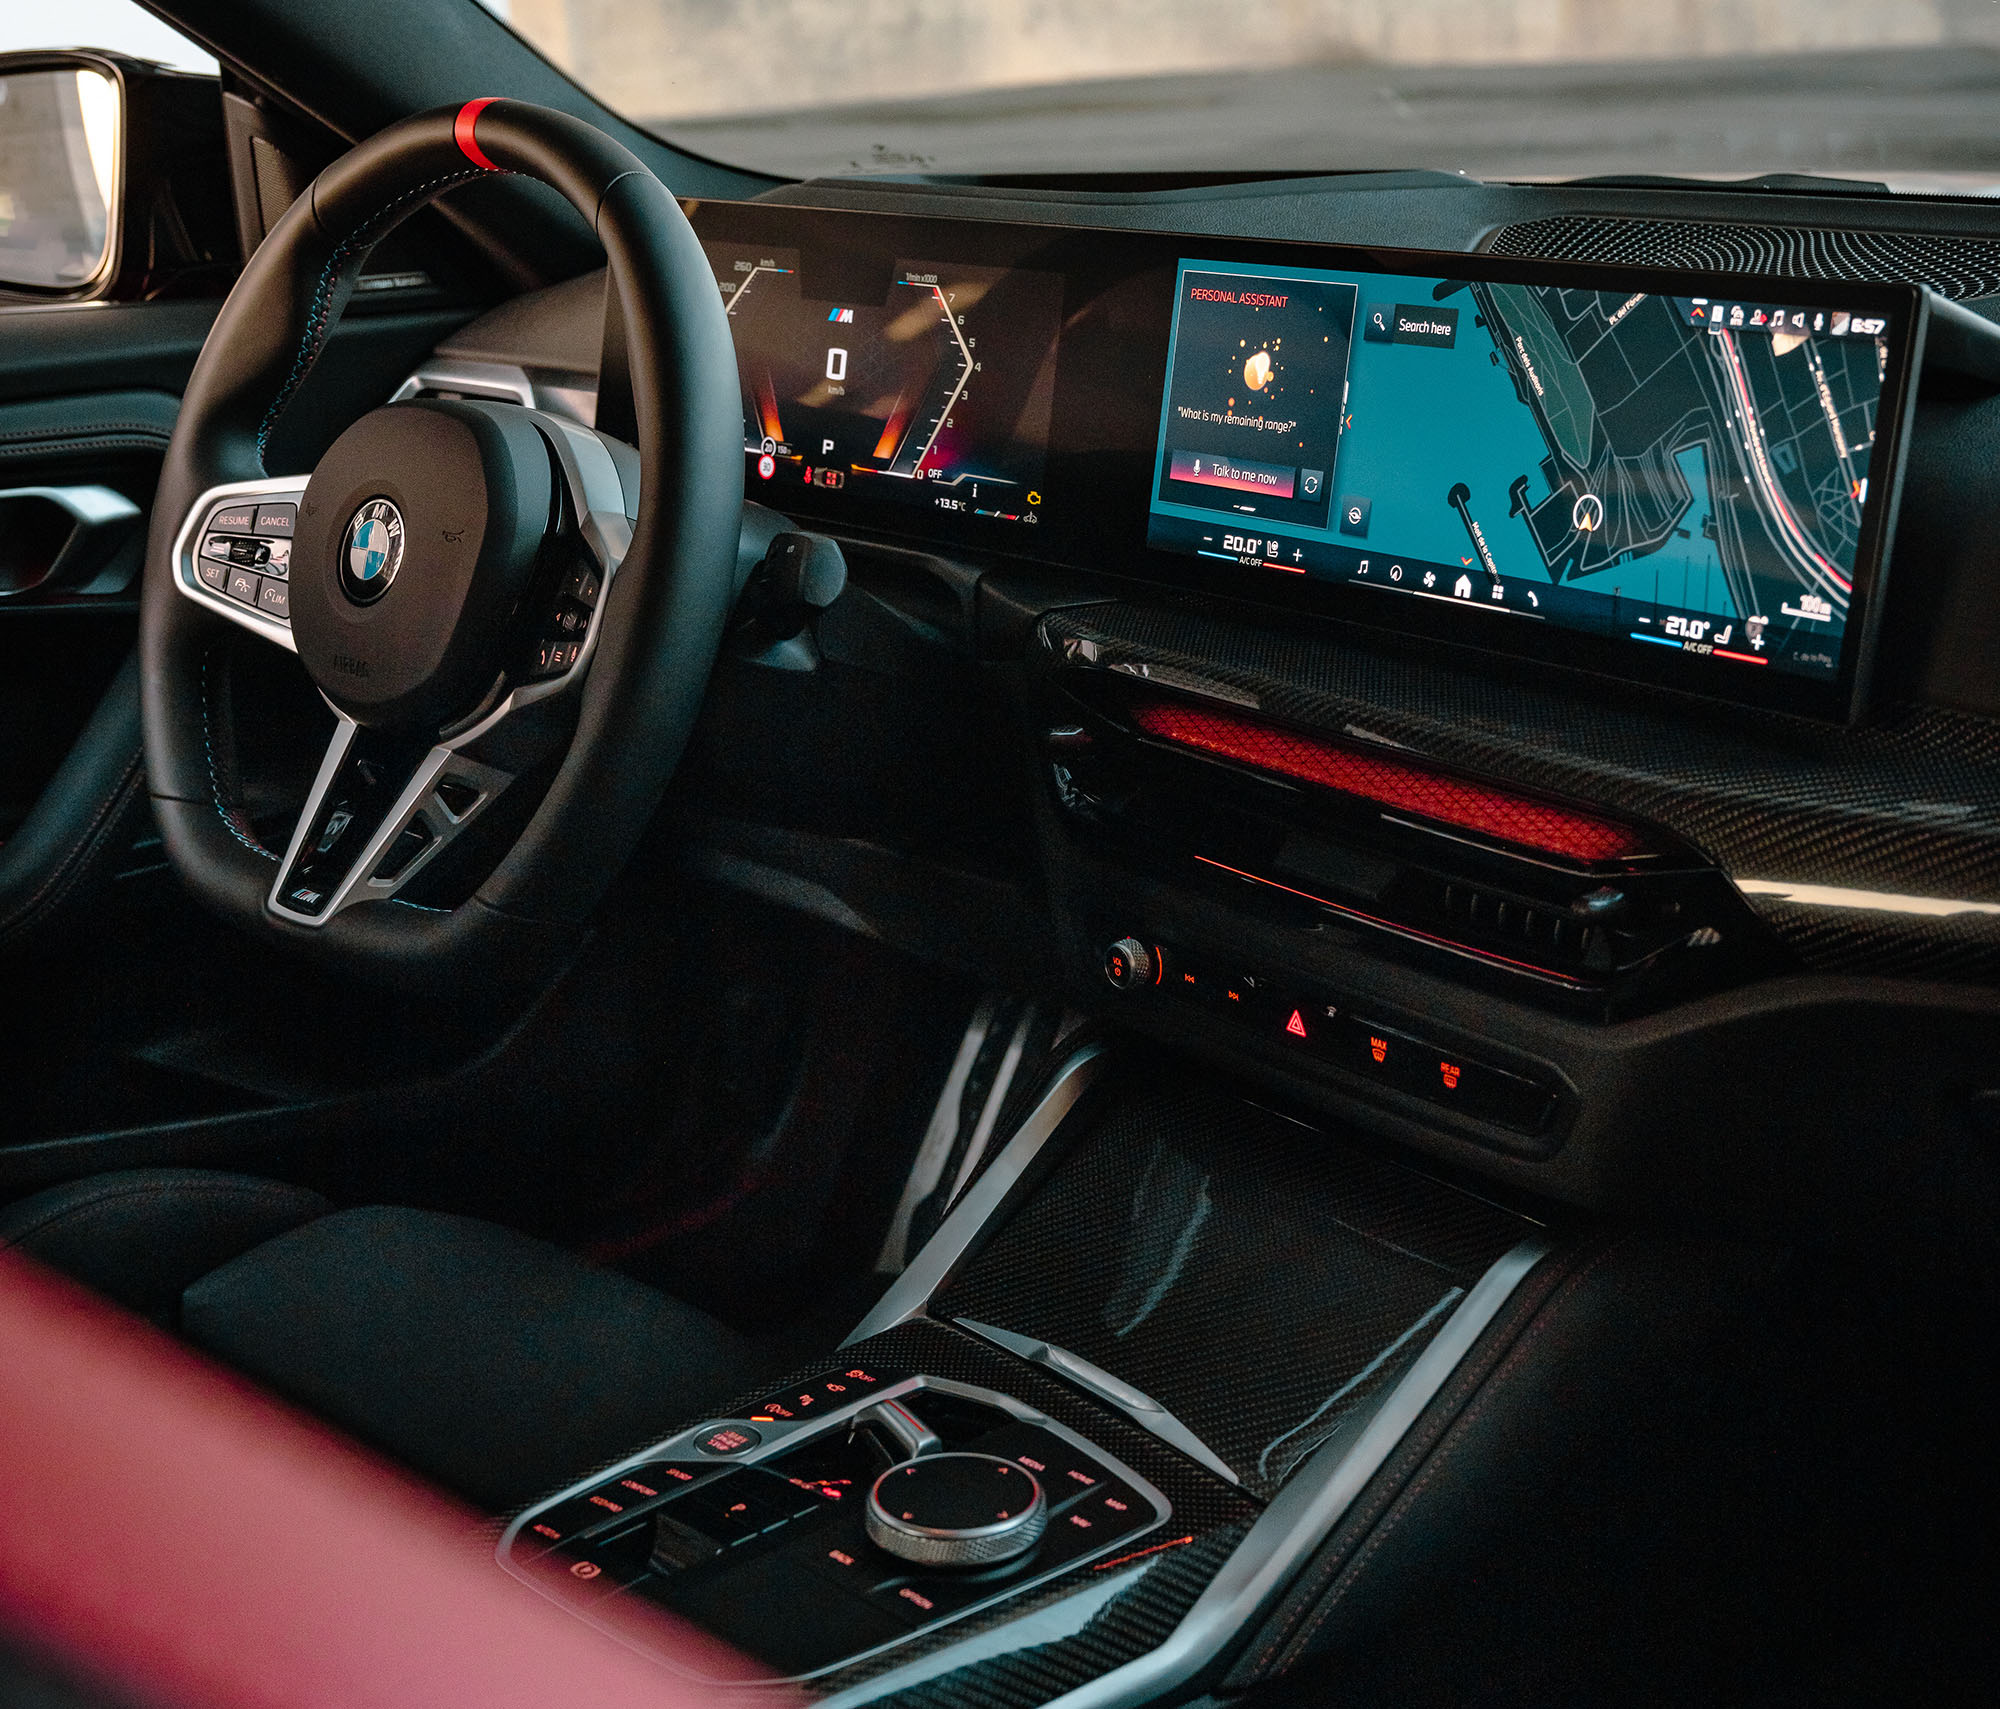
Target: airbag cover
(417,538)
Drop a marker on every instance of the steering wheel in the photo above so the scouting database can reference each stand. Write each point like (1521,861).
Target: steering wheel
(512,617)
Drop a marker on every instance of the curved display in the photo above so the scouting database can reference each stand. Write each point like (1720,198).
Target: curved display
(1680,479)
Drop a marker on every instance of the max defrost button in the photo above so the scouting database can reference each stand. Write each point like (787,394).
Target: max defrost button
(1443,1076)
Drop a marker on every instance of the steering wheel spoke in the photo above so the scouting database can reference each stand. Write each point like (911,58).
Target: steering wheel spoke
(382,808)
(596,533)
(234,554)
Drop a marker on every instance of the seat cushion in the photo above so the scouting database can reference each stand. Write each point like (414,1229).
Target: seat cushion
(140,1236)
(498,1365)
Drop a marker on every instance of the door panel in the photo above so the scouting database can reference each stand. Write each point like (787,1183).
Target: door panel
(127,995)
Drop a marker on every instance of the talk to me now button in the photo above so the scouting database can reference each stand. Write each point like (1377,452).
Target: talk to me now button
(1232,474)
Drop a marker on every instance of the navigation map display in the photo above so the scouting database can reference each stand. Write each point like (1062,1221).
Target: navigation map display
(925,382)
(1693,472)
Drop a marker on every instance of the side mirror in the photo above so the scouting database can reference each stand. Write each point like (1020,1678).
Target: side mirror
(113,179)
(62,119)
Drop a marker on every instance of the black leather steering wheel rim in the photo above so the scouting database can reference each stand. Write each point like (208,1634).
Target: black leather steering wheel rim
(663,615)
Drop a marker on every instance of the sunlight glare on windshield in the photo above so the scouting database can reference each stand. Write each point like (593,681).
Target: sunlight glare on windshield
(1507,88)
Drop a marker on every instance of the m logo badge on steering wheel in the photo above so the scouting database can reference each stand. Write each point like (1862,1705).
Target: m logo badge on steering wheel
(373,551)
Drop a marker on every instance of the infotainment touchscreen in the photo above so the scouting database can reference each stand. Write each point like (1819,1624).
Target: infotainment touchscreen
(1686,471)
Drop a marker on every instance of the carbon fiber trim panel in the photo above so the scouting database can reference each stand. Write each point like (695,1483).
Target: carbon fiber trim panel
(1257,1278)
(1956,267)
(1905,808)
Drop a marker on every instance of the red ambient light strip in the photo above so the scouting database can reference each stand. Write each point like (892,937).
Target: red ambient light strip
(1391,783)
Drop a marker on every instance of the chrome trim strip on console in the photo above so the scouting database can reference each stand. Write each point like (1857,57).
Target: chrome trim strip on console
(1304,1512)
(1140,1407)
(908,1295)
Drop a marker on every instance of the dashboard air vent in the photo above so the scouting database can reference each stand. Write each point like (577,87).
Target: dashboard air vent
(1955,267)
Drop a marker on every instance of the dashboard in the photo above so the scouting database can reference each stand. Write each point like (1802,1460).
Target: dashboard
(1686,478)
(978,393)
(1379,672)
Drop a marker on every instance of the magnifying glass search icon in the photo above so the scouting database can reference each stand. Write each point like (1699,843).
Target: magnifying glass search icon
(1379,321)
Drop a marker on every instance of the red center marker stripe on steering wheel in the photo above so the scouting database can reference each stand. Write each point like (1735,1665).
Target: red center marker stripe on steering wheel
(461,132)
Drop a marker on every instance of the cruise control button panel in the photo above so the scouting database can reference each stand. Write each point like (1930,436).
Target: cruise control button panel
(244,552)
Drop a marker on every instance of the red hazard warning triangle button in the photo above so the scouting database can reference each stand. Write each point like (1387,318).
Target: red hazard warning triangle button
(1296,1026)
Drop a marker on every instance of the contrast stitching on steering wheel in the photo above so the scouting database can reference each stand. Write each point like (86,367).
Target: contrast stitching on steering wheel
(319,316)
(227,814)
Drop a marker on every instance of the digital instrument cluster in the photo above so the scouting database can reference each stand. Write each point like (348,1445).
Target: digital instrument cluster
(927,383)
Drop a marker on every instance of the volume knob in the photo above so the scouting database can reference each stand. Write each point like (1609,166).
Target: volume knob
(956,1510)
(1128,964)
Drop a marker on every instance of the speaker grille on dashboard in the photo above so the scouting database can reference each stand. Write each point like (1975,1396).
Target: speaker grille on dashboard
(1956,267)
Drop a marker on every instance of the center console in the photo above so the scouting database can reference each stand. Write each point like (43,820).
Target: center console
(882,1504)
(1105,1416)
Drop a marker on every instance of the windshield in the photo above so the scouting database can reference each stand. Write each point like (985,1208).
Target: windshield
(1901,92)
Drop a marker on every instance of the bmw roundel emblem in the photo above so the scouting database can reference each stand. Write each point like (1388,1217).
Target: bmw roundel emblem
(372,552)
